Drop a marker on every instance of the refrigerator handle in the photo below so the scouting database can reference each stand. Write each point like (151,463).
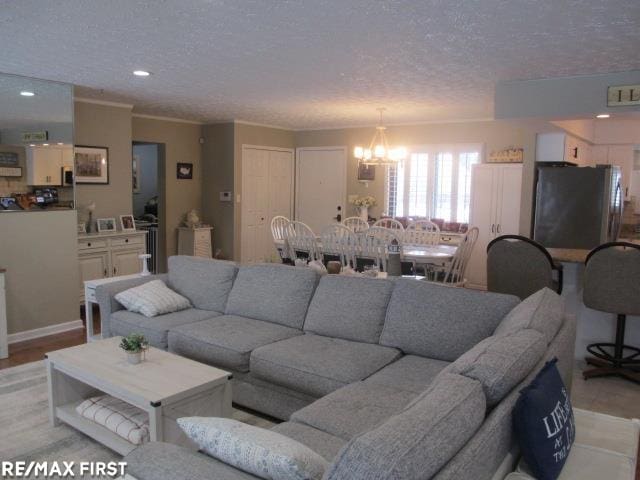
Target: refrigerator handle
(493,228)
(498,229)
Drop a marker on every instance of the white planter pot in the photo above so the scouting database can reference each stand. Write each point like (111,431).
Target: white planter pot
(134,358)
(364,213)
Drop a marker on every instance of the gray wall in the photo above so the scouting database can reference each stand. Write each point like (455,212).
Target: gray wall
(40,252)
(148,176)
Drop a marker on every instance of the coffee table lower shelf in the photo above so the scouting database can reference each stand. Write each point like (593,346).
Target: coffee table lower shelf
(67,413)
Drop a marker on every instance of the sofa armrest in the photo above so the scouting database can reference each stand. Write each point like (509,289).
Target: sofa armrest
(105,294)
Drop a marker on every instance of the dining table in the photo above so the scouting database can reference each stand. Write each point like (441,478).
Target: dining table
(420,254)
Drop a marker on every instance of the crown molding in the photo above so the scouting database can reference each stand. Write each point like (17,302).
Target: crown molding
(263,125)
(103,102)
(166,119)
(400,124)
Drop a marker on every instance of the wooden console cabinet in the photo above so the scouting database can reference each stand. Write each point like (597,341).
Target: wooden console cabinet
(108,255)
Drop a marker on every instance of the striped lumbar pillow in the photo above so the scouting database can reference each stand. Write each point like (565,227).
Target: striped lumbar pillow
(123,419)
(152,298)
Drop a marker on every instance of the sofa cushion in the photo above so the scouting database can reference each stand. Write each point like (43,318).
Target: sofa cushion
(441,322)
(417,442)
(318,365)
(320,442)
(275,293)
(543,311)
(155,329)
(205,282)
(410,373)
(165,461)
(500,363)
(353,409)
(261,452)
(226,341)
(352,308)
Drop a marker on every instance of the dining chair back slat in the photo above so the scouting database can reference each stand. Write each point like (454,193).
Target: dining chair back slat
(279,231)
(372,245)
(337,241)
(455,271)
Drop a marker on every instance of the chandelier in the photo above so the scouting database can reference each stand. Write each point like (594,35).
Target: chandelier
(379,152)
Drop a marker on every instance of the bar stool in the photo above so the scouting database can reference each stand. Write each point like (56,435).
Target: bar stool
(612,284)
(519,266)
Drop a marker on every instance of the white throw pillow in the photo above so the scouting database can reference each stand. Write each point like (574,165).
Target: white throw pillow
(152,298)
(261,452)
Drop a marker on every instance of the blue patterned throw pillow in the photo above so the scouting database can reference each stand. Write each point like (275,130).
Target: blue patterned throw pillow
(261,452)
(543,423)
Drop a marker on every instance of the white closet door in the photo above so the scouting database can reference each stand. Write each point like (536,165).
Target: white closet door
(484,183)
(255,204)
(267,187)
(508,215)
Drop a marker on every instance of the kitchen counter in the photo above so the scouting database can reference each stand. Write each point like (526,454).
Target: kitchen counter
(568,255)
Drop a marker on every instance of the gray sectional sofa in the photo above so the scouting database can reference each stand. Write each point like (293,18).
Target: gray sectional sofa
(383,378)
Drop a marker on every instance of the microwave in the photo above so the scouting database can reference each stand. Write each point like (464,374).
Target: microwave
(67,176)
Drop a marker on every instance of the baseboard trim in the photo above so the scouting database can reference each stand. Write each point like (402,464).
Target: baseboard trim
(44,331)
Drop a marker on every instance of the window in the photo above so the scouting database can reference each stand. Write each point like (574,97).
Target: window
(434,182)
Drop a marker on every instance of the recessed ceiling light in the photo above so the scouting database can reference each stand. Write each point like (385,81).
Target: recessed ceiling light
(60,143)
(32,144)
(45,144)
(27,93)
(603,115)
(141,73)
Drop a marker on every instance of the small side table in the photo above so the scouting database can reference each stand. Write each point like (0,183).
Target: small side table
(90,298)
(195,241)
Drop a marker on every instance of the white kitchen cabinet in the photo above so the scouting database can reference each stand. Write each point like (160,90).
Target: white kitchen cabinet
(44,166)
(109,255)
(620,156)
(561,147)
(495,210)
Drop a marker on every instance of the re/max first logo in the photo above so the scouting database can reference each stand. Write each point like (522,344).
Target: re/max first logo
(21,469)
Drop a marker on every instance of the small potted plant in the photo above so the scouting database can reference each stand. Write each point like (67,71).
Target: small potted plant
(363,204)
(135,345)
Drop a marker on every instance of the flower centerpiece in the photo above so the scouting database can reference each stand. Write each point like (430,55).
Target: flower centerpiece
(363,204)
(135,345)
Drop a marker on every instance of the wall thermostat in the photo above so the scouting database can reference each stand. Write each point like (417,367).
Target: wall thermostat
(225,196)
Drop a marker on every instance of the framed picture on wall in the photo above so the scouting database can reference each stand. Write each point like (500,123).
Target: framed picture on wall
(135,173)
(92,165)
(185,171)
(366,173)
(106,225)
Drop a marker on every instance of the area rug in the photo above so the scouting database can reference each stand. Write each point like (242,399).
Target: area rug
(28,436)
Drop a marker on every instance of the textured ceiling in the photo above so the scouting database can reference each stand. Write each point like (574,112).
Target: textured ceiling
(316,63)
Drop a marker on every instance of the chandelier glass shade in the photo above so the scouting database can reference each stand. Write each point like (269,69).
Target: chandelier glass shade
(379,152)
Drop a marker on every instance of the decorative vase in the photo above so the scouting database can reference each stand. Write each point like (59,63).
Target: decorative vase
(134,358)
(364,213)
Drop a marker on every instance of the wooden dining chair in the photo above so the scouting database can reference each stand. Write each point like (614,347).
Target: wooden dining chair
(422,232)
(302,242)
(390,223)
(372,247)
(336,242)
(453,273)
(279,227)
(355,224)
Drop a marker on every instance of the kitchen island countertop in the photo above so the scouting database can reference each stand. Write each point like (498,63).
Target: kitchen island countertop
(568,255)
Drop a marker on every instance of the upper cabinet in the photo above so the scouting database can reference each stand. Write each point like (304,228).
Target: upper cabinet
(44,164)
(561,147)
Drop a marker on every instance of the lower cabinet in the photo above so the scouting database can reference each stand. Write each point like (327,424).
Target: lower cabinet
(109,255)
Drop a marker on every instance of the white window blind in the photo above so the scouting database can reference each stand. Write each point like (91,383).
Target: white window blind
(434,182)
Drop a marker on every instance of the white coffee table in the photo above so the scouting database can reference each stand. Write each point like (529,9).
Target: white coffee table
(166,386)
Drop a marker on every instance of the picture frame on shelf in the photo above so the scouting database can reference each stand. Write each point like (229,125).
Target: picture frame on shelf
(184,171)
(127,223)
(82,228)
(91,165)
(106,225)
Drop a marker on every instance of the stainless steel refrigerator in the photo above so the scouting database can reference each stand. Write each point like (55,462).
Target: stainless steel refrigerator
(577,207)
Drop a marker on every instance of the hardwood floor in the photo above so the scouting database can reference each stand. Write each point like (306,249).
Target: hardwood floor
(32,350)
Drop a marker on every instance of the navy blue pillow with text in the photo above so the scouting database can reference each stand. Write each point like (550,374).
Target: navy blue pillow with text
(543,423)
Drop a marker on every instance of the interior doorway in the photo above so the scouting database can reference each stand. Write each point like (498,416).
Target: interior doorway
(148,199)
